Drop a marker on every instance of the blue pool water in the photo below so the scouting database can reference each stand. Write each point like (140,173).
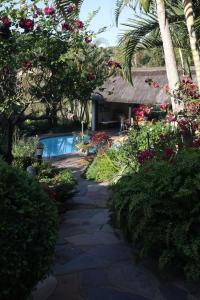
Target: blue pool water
(59,145)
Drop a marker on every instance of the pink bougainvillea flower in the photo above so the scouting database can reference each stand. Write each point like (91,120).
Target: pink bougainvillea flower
(164,106)
(26,24)
(79,24)
(49,11)
(6,21)
(154,84)
(171,117)
(88,39)
(67,27)
(90,77)
(147,110)
(28,64)
(144,156)
(166,88)
(71,7)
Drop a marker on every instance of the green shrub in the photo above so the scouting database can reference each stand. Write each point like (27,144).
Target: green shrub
(61,181)
(104,167)
(159,209)
(24,152)
(28,229)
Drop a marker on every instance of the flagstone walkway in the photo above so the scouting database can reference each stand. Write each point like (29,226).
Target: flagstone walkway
(93,262)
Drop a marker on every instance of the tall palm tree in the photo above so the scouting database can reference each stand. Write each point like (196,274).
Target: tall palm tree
(189,15)
(170,60)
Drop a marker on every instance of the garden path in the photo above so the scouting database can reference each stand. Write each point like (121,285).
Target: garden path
(93,262)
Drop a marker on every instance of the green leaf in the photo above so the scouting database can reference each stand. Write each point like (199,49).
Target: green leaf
(145,5)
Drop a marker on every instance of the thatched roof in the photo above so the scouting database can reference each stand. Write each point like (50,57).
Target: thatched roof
(116,89)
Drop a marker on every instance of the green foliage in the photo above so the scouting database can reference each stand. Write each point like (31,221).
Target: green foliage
(24,152)
(158,208)
(60,181)
(104,167)
(28,229)
(25,147)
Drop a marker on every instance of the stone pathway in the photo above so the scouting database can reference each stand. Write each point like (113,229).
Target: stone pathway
(93,262)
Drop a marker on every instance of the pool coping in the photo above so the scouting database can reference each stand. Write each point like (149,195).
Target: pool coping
(49,135)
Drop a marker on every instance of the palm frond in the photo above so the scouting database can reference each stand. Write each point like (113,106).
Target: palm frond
(62,7)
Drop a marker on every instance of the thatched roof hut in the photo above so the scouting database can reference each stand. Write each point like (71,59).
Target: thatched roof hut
(118,90)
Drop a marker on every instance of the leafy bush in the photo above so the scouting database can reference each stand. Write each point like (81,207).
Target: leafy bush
(24,152)
(158,208)
(61,181)
(104,167)
(28,229)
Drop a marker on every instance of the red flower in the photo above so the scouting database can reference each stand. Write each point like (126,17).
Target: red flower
(144,156)
(166,88)
(90,77)
(49,11)
(79,24)
(28,64)
(67,27)
(6,21)
(168,153)
(26,24)
(100,138)
(88,39)
(71,7)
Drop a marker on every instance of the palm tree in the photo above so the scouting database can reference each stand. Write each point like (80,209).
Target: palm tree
(189,15)
(170,60)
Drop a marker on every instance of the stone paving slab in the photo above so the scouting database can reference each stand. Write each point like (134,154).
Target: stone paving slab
(92,260)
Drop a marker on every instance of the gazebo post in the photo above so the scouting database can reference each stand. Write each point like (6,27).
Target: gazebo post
(129,113)
(93,115)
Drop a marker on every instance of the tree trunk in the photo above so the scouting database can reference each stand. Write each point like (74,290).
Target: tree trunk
(170,60)
(189,15)
(10,131)
(54,118)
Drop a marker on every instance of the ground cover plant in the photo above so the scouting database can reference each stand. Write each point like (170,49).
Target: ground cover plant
(158,208)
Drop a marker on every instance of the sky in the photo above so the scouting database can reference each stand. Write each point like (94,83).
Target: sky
(105,17)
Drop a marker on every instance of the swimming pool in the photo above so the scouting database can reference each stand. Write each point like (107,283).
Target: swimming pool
(59,145)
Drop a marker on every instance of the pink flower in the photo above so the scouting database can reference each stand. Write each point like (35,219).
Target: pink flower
(71,7)
(154,84)
(88,39)
(171,117)
(26,24)
(6,21)
(79,24)
(90,77)
(164,106)
(49,11)
(166,88)
(67,27)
